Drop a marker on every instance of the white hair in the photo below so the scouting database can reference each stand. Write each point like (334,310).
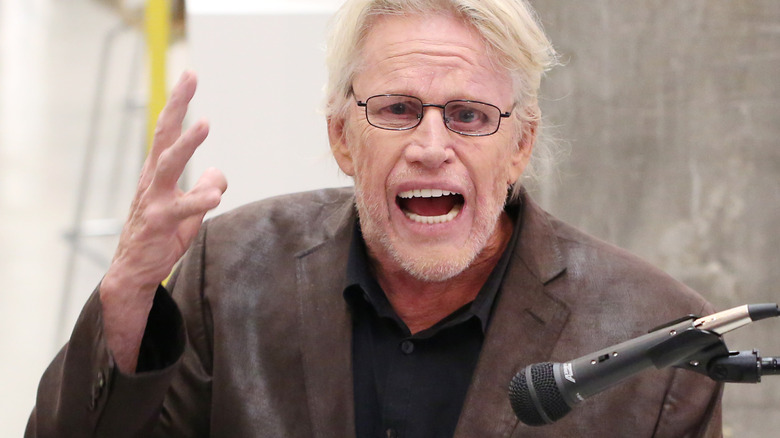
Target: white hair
(510,28)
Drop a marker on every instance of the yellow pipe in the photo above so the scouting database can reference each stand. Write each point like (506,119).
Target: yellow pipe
(157,27)
(157,19)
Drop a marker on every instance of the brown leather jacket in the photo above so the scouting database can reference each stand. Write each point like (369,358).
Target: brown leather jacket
(267,350)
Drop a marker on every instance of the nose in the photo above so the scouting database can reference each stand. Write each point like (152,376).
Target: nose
(431,141)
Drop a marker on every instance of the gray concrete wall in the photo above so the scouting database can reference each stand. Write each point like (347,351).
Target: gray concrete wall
(671,112)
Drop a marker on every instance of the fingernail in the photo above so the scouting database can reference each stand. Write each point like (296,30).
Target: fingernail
(183,76)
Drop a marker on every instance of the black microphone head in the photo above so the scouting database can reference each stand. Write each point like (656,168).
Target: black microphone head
(539,401)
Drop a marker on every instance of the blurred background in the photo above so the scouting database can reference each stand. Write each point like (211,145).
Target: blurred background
(669,113)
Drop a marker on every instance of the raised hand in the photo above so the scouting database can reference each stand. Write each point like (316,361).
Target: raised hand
(162,223)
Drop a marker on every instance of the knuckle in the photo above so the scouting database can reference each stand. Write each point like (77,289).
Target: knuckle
(164,162)
(160,130)
(154,216)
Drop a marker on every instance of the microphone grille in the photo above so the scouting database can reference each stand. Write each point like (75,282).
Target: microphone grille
(548,397)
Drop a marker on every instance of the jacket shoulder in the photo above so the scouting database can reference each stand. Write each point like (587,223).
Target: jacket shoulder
(299,219)
(596,279)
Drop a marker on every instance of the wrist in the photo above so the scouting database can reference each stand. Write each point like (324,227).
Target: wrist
(126,302)
(127,284)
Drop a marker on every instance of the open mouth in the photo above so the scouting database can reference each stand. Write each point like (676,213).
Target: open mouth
(430,206)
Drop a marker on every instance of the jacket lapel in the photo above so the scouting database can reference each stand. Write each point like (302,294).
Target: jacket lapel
(327,330)
(524,328)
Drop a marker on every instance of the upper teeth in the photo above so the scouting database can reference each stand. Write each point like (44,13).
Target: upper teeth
(425,193)
(430,193)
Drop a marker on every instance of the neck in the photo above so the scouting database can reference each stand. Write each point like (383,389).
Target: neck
(421,304)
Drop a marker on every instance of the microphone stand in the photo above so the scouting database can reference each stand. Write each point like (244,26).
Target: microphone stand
(733,366)
(711,357)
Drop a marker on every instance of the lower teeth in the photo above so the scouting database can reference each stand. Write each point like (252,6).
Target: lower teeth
(434,219)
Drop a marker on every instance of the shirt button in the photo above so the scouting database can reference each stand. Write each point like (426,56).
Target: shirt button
(97,390)
(407,347)
(391,433)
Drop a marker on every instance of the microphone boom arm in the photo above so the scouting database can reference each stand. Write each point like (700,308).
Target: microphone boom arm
(722,365)
(714,359)
(710,355)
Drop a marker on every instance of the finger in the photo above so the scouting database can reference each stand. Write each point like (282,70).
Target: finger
(172,161)
(204,196)
(171,117)
(212,177)
(169,125)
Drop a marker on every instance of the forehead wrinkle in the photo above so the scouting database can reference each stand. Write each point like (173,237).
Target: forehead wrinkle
(433,47)
(421,70)
(426,83)
(400,58)
(431,52)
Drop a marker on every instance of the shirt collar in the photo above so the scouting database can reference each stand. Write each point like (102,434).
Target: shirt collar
(361,280)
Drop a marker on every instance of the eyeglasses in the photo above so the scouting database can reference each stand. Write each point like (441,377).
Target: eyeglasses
(399,112)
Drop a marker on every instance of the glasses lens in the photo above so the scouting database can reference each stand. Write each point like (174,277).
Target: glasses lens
(394,111)
(471,118)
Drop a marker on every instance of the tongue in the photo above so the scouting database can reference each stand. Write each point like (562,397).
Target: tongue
(429,206)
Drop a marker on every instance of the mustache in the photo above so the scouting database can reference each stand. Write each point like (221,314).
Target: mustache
(406,174)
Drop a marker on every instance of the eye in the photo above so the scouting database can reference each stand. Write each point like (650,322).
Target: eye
(469,117)
(466,114)
(395,107)
(393,111)
(399,108)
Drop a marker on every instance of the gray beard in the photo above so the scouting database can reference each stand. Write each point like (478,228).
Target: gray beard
(435,270)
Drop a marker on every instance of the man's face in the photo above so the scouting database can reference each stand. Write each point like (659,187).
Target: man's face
(402,178)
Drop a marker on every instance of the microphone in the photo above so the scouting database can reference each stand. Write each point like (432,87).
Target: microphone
(543,393)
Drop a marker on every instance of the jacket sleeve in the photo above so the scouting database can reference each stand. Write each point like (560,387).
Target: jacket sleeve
(83,394)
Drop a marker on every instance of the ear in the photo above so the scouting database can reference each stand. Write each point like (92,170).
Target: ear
(521,155)
(338,145)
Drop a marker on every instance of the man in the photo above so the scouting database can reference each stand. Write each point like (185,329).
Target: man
(403,308)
